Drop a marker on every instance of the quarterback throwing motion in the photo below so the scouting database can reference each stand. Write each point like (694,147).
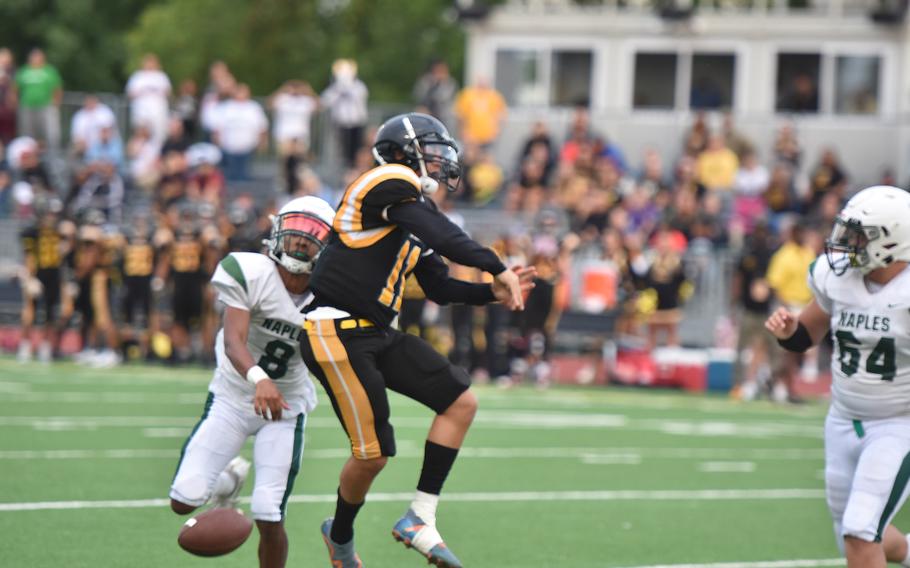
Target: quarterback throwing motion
(861,293)
(261,386)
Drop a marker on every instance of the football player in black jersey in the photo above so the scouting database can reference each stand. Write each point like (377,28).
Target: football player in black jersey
(384,229)
(43,248)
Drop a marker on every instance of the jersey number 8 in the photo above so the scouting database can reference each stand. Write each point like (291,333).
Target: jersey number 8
(275,360)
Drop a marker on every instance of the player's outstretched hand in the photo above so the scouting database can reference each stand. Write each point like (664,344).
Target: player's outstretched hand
(782,323)
(268,401)
(508,288)
(526,275)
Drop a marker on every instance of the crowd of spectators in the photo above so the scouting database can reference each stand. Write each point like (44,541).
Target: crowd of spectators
(607,232)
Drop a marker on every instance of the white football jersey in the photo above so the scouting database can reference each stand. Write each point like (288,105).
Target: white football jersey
(871,333)
(250,281)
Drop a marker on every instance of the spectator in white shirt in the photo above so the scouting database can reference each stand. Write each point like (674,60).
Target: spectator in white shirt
(346,99)
(293,106)
(88,122)
(240,128)
(148,90)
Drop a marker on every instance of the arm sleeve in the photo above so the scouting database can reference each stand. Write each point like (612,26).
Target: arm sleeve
(818,272)
(433,276)
(444,236)
(231,292)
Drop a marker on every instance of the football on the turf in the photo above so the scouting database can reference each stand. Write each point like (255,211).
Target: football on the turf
(215,532)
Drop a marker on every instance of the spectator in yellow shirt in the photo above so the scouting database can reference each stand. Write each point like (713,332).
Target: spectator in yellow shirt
(717,165)
(480,110)
(789,269)
(788,275)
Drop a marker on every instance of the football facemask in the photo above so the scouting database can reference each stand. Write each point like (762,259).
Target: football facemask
(846,246)
(448,172)
(298,238)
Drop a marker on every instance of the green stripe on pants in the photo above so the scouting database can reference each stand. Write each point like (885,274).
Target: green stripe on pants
(295,461)
(900,483)
(205,413)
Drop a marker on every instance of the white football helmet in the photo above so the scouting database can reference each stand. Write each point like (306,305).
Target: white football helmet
(872,231)
(308,217)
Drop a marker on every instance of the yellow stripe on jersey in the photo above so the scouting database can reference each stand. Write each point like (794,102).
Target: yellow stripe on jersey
(347,390)
(408,267)
(348,221)
(387,297)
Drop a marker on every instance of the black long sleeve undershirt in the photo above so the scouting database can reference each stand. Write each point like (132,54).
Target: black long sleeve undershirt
(443,236)
(433,276)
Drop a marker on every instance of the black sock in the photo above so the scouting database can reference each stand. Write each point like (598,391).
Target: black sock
(437,461)
(343,525)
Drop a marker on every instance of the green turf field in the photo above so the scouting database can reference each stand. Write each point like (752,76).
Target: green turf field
(567,477)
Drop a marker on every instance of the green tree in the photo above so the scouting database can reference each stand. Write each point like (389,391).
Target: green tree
(266,42)
(83,39)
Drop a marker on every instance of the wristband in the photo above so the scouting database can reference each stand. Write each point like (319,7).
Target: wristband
(256,374)
(799,342)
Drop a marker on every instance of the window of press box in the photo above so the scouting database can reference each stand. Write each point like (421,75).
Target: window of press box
(797,82)
(570,83)
(655,81)
(857,84)
(711,85)
(517,76)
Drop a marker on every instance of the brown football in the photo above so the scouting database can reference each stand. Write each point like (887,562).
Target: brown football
(215,532)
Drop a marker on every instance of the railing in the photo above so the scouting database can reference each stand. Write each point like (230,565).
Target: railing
(826,8)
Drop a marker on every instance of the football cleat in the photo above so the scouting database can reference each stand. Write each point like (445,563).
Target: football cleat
(341,555)
(238,469)
(425,539)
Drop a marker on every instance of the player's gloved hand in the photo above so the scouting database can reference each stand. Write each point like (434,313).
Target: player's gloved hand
(782,323)
(268,401)
(510,285)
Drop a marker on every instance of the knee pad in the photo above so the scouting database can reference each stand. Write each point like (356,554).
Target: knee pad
(266,502)
(862,516)
(191,489)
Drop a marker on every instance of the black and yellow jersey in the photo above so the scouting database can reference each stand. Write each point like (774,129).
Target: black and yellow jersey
(138,257)
(43,245)
(384,229)
(186,255)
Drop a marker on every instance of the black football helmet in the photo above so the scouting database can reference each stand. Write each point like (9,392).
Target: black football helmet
(415,140)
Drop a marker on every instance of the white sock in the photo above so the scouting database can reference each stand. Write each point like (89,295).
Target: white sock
(906,561)
(224,485)
(424,504)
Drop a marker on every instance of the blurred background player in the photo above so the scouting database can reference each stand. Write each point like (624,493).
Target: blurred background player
(861,293)
(261,387)
(137,269)
(42,281)
(181,266)
(91,272)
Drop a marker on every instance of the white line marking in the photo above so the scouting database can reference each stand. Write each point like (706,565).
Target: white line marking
(82,397)
(485,420)
(615,459)
(86,454)
(524,496)
(758,564)
(408,449)
(726,467)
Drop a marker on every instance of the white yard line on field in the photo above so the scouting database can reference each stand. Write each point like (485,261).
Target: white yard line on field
(84,397)
(476,497)
(806,563)
(727,467)
(733,459)
(488,420)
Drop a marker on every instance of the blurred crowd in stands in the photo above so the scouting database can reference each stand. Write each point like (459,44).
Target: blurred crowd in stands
(122,244)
